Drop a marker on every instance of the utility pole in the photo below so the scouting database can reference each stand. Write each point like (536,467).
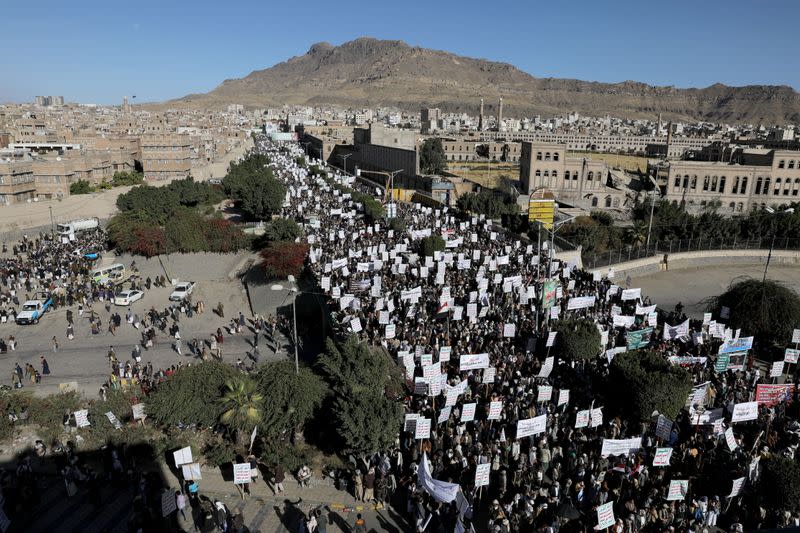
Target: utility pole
(344,157)
(52,222)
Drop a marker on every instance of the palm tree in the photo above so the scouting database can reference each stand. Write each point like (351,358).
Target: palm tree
(637,234)
(242,403)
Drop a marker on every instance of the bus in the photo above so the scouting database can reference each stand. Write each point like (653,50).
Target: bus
(115,273)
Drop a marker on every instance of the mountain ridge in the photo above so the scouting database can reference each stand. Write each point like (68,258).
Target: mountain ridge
(368,72)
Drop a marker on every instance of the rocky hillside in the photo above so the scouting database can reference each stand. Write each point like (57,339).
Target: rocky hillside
(371,72)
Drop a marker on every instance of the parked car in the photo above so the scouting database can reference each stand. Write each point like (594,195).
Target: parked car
(182,290)
(34,309)
(127,297)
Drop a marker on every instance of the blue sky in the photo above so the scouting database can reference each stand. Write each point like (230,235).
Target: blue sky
(98,51)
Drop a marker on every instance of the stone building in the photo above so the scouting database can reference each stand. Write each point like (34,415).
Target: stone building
(166,156)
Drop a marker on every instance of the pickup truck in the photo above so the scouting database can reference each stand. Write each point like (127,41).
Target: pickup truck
(34,309)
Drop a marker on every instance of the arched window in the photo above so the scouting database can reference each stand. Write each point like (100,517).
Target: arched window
(714,181)
(766,186)
(677,182)
(555,173)
(555,156)
(781,163)
(706,183)
(694,182)
(735,185)
(777,190)
(575,175)
(739,207)
(538,156)
(608,201)
(796,187)
(538,173)
(787,186)
(616,202)
(791,163)
(547,156)
(744,185)
(546,173)
(722,184)
(732,205)
(758,184)
(594,201)
(590,176)
(566,175)
(686,181)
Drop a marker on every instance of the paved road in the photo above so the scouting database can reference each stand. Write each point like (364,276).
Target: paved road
(693,285)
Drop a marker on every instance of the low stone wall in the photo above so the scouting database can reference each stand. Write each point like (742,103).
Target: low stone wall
(699,259)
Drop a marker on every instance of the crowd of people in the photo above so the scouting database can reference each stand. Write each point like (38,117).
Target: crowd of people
(472,327)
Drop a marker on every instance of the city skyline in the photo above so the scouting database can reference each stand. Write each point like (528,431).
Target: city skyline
(159,52)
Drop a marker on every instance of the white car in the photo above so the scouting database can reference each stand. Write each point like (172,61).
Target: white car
(182,290)
(127,297)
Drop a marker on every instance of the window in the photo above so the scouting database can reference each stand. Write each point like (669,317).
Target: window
(546,173)
(706,183)
(566,175)
(735,186)
(722,184)
(766,186)
(796,187)
(677,182)
(538,156)
(608,201)
(590,176)
(547,156)
(594,201)
(714,181)
(555,156)
(758,185)
(744,185)
(739,207)
(732,205)
(538,173)
(694,182)
(787,186)
(686,181)
(791,163)
(781,164)
(555,173)
(575,175)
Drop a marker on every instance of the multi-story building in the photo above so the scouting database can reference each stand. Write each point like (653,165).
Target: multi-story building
(748,178)
(17,183)
(577,181)
(455,150)
(166,156)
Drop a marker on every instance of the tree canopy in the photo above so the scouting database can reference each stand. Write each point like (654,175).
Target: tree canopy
(780,483)
(490,203)
(769,310)
(367,421)
(190,395)
(254,187)
(643,381)
(432,244)
(577,339)
(290,399)
(431,156)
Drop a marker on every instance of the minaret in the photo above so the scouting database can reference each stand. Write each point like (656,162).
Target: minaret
(669,137)
(500,115)
(480,117)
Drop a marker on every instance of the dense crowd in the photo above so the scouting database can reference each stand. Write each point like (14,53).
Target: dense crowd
(471,326)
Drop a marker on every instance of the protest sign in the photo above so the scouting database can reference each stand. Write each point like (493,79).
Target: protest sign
(423,429)
(509,330)
(596,417)
(770,395)
(473,361)
(547,367)
(662,456)
(580,302)
(663,427)
(531,426)
(736,487)
(582,419)
(82,418)
(551,339)
(796,336)
(241,473)
(138,411)
(777,369)
(563,397)
(548,294)
(191,471)
(482,472)
(544,393)
(678,489)
(183,456)
(736,345)
(742,412)
(620,446)
(468,412)
(605,515)
(639,338)
(114,420)
(730,439)
(168,503)
(390,331)
(791,355)
(631,294)
(495,408)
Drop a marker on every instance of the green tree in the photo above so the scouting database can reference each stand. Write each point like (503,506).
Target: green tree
(429,245)
(81,187)
(642,382)
(256,191)
(290,398)
(242,406)
(780,483)
(577,339)
(184,231)
(769,310)
(355,366)
(487,202)
(281,229)
(636,234)
(367,421)
(120,178)
(190,396)
(431,156)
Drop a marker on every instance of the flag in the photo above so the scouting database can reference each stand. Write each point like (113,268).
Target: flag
(253,437)
(444,307)
(440,490)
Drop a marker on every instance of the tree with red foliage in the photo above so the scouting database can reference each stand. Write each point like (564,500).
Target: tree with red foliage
(148,241)
(283,259)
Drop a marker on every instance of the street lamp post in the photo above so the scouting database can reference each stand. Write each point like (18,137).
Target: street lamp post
(774,234)
(52,222)
(391,176)
(344,161)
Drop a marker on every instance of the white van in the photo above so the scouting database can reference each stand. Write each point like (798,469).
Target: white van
(115,273)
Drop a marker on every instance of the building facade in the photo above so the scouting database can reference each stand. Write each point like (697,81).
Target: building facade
(166,156)
(576,181)
(752,178)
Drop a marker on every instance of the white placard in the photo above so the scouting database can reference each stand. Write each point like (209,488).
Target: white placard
(620,446)
(183,456)
(791,355)
(563,397)
(482,472)
(605,515)
(662,457)
(544,393)
(531,426)
(796,336)
(743,412)
(678,489)
(114,420)
(473,361)
(489,375)
(495,408)
(777,369)
(736,488)
(468,412)
(82,418)
(730,439)
(390,331)
(551,339)
(138,411)
(423,429)
(582,419)
(509,330)
(192,471)
(241,473)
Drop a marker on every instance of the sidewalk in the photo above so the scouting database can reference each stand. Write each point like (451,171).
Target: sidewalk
(263,510)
